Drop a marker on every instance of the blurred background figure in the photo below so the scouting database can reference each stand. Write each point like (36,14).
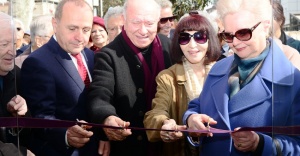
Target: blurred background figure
(166,23)
(20,34)
(99,35)
(26,37)
(225,49)
(41,31)
(278,23)
(114,21)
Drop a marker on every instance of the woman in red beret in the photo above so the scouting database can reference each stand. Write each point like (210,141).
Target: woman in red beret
(99,35)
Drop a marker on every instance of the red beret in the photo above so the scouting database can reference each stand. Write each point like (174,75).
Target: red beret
(99,21)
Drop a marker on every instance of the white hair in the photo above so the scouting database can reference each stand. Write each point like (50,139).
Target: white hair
(19,22)
(112,11)
(164,3)
(155,9)
(40,26)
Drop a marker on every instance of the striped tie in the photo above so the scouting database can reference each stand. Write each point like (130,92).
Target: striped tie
(82,70)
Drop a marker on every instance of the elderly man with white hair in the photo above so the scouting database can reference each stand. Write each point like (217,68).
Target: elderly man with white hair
(11,103)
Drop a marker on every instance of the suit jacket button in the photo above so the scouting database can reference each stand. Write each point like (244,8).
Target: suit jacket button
(141,113)
(140,90)
(138,67)
(139,138)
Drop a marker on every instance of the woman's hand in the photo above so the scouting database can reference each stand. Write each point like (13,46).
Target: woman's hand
(196,122)
(245,141)
(171,136)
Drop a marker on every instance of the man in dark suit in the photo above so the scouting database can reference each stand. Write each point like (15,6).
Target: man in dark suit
(124,82)
(54,81)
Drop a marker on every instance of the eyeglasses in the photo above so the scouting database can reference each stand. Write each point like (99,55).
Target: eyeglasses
(18,28)
(242,34)
(199,36)
(166,19)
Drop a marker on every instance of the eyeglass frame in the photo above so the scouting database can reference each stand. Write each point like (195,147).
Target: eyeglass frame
(192,36)
(171,19)
(234,35)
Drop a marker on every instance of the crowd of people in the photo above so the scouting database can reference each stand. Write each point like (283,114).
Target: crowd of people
(141,66)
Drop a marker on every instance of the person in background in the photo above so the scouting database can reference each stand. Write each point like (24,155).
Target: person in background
(26,37)
(113,20)
(225,49)
(194,50)
(278,24)
(256,87)
(20,34)
(54,82)
(41,31)
(98,34)
(124,78)
(166,22)
(12,104)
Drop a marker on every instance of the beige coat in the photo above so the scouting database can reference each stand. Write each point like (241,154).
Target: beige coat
(170,102)
(291,53)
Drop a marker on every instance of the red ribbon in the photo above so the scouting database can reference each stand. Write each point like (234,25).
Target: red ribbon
(24,122)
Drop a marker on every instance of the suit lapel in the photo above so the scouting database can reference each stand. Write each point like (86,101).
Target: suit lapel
(66,63)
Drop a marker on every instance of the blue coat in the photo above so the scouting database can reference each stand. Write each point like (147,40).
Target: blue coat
(53,89)
(252,106)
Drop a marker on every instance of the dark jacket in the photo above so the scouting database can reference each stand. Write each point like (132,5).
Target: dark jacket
(9,143)
(54,90)
(288,40)
(118,89)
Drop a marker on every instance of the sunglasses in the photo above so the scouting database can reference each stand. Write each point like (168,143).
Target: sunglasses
(199,36)
(19,29)
(166,19)
(242,34)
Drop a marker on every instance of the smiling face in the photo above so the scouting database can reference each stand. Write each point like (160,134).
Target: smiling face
(99,36)
(73,30)
(257,43)
(166,27)
(141,22)
(193,51)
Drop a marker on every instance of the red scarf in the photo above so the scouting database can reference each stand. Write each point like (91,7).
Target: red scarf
(157,65)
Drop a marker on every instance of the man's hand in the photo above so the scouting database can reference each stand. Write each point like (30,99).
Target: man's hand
(78,136)
(116,134)
(104,148)
(17,106)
